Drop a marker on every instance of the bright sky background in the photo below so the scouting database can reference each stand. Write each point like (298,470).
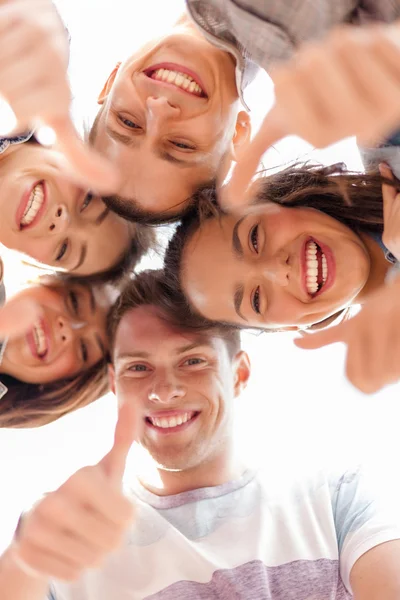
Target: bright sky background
(298,408)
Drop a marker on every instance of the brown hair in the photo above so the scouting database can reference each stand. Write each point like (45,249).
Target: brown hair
(33,405)
(354,199)
(151,288)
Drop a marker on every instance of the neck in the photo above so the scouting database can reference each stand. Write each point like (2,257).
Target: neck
(212,472)
(378,270)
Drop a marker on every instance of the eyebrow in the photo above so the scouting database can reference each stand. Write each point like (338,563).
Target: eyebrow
(181,350)
(238,299)
(102,216)
(132,142)
(81,257)
(101,345)
(92,300)
(237,247)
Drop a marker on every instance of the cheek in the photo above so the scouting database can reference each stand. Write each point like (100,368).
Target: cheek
(66,365)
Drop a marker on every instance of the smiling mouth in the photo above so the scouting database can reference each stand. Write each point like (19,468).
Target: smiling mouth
(179,79)
(172,423)
(33,208)
(316,268)
(39,339)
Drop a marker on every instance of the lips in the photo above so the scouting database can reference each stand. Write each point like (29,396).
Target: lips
(39,340)
(167,422)
(178,77)
(32,206)
(318,267)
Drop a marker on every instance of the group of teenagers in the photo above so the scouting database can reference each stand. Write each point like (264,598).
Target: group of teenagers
(284,250)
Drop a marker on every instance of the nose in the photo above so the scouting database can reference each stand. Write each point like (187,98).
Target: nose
(59,220)
(66,329)
(276,270)
(167,391)
(159,109)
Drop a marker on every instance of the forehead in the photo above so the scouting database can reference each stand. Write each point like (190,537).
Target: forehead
(144,329)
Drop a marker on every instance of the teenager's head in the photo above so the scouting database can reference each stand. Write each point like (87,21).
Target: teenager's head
(170,119)
(50,219)
(68,339)
(181,372)
(293,259)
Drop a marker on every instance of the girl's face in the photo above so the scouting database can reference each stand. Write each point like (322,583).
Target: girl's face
(69,337)
(274,267)
(48,218)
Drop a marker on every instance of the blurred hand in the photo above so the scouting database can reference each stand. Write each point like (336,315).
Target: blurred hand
(77,526)
(372,338)
(391,214)
(34,51)
(348,84)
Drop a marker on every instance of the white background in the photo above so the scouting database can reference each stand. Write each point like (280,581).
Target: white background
(298,408)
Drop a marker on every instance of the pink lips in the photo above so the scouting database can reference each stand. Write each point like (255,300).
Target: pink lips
(180,69)
(24,203)
(31,341)
(330,261)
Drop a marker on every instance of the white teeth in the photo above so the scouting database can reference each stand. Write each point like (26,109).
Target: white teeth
(312,268)
(166,422)
(34,204)
(179,79)
(40,339)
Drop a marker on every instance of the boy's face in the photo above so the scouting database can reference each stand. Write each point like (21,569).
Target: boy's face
(167,134)
(183,387)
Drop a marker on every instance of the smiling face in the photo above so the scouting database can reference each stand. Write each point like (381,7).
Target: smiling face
(169,118)
(69,337)
(56,223)
(274,267)
(183,387)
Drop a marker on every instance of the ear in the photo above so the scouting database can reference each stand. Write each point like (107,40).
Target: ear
(108,84)
(111,378)
(241,139)
(242,370)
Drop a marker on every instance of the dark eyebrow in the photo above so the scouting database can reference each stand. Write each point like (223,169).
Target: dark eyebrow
(101,345)
(102,216)
(238,299)
(236,243)
(81,257)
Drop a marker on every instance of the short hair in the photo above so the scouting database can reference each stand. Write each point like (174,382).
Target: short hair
(151,288)
(130,209)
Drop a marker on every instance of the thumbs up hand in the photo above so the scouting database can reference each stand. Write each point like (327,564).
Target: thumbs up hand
(78,525)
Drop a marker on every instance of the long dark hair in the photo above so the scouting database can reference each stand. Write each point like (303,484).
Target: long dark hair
(354,199)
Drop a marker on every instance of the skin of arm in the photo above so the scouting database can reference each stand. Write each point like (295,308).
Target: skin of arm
(376,574)
(15,584)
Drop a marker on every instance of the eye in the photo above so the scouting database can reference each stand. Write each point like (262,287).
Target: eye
(84,351)
(129,123)
(182,145)
(254,238)
(190,362)
(62,251)
(87,201)
(138,368)
(73,296)
(255,300)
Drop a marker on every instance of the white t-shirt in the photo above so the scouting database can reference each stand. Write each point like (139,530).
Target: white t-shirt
(250,539)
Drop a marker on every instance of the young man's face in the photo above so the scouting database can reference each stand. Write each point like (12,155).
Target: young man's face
(167,134)
(183,387)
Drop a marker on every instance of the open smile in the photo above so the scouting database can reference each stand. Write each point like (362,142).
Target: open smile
(38,340)
(32,206)
(167,422)
(319,268)
(178,77)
